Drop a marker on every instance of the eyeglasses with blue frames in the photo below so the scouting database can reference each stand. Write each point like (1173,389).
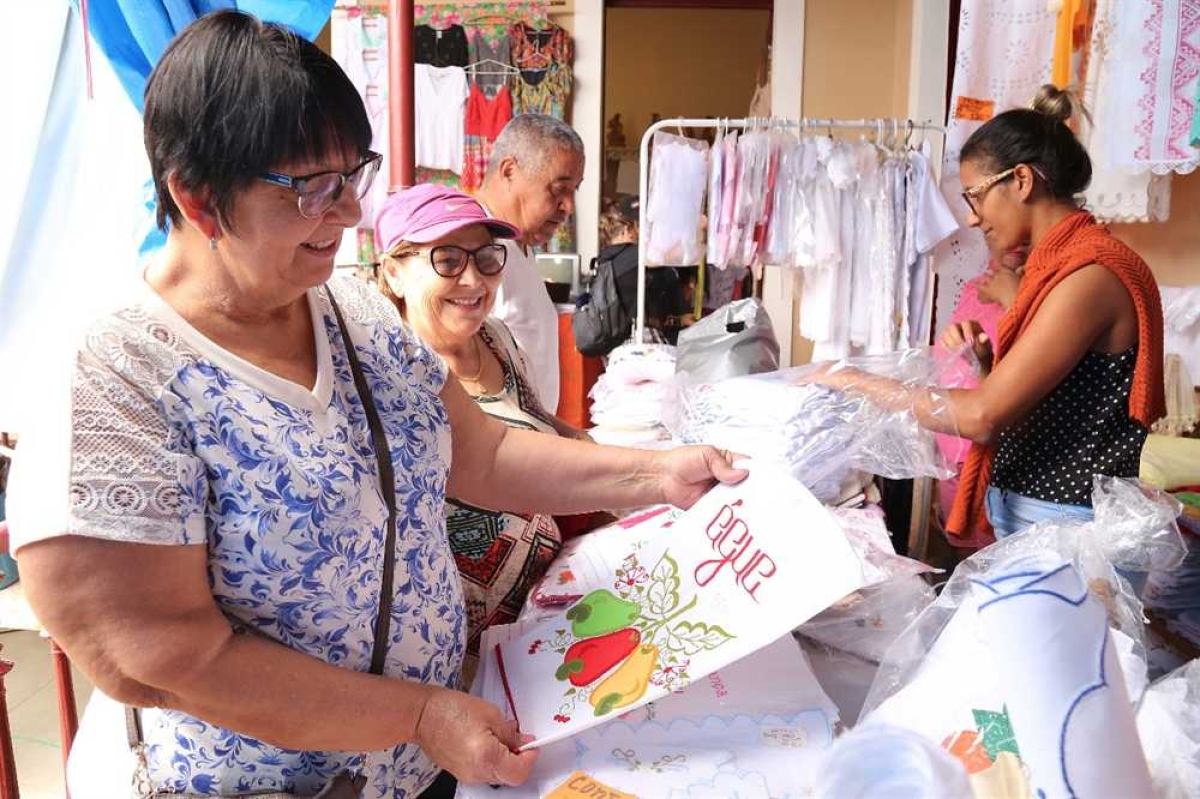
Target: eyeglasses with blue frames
(316,193)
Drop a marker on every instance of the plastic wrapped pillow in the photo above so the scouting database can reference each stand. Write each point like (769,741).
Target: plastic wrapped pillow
(939,677)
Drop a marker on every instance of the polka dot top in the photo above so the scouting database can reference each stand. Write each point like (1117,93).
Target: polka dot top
(1080,429)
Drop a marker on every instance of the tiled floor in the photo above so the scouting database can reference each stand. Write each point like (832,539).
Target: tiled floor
(33,713)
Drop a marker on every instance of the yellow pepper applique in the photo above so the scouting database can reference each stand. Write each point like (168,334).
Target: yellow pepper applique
(628,683)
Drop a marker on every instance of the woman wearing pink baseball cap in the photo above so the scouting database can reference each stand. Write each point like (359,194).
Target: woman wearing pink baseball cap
(442,267)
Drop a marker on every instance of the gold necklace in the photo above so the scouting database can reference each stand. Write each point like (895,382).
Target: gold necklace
(479,357)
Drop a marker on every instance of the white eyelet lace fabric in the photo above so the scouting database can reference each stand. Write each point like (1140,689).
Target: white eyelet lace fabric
(172,447)
(1004,55)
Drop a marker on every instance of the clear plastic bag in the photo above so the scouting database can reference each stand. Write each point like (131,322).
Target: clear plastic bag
(1169,725)
(868,535)
(869,620)
(1128,518)
(819,434)
(1135,525)
(866,622)
(678,181)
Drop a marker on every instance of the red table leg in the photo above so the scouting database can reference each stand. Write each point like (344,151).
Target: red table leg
(68,717)
(8,763)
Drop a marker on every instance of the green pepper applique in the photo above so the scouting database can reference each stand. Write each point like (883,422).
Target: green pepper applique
(601,613)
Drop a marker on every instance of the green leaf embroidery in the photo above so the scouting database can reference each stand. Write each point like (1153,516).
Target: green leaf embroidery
(662,596)
(996,731)
(692,638)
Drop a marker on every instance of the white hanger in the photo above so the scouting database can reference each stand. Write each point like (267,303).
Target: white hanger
(498,67)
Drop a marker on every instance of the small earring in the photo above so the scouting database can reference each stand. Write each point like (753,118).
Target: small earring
(212,243)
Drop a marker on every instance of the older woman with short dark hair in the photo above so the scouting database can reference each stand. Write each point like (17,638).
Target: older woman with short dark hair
(239,526)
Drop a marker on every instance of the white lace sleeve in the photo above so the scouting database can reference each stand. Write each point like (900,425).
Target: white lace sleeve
(131,475)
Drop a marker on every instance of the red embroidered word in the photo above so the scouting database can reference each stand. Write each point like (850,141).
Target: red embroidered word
(718,686)
(734,543)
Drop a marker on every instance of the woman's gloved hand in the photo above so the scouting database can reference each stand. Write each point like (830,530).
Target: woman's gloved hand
(970,332)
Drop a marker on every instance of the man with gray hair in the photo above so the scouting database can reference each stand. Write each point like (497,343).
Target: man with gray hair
(531,179)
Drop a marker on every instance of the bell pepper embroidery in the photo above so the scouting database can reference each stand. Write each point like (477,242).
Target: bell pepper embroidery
(588,660)
(638,636)
(600,613)
(627,684)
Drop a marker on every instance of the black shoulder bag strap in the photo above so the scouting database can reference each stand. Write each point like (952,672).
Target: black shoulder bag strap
(387,485)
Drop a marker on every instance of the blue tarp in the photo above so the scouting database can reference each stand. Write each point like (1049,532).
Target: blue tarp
(133,34)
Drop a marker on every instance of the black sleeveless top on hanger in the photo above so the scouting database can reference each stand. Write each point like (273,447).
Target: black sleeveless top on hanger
(1080,429)
(440,48)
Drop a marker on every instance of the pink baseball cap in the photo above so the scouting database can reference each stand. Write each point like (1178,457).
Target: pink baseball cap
(428,212)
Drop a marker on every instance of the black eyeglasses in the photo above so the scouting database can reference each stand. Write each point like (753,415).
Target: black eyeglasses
(316,193)
(450,261)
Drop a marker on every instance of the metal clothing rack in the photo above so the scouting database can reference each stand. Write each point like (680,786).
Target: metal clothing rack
(883,125)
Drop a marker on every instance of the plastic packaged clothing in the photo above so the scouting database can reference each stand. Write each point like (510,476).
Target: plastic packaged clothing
(730,174)
(754,161)
(716,180)
(865,208)
(678,179)
(818,434)
(785,204)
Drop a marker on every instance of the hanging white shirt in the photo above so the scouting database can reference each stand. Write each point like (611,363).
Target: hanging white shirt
(929,222)
(524,305)
(441,100)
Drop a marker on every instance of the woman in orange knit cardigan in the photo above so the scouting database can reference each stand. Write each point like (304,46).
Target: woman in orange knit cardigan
(1075,380)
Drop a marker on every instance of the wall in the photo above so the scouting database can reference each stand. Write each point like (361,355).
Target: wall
(680,62)
(780,286)
(587,25)
(857,57)
(1172,248)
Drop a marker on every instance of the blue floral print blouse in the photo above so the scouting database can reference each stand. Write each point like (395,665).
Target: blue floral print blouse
(176,441)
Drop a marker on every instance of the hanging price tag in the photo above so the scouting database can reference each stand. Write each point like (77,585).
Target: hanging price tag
(975,110)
